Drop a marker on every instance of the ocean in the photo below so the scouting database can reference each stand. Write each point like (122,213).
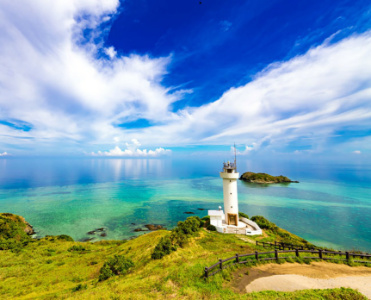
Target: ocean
(330,207)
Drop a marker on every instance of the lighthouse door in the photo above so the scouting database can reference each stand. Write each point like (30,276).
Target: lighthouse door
(232,219)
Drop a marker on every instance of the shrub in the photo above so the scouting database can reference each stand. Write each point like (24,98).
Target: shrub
(243,215)
(164,247)
(211,227)
(12,234)
(77,248)
(206,220)
(117,265)
(79,287)
(264,223)
(64,237)
(178,237)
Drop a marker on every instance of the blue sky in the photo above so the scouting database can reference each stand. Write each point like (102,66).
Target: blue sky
(152,78)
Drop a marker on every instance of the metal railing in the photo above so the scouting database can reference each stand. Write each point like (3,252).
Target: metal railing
(261,256)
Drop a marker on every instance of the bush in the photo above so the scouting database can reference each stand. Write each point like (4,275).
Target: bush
(178,237)
(211,227)
(164,247)
(206,221)
(77,248)
(64,237)
(79,287)
(243,215)
(12,234)
(117,265)
(264,223)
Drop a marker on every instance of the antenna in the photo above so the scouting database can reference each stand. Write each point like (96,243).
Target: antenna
(235,156)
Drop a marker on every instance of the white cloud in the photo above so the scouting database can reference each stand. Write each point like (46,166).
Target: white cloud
(308,97)
(357,152)
(52,76)
(73,95)
(4,154)
(132,150)
(247,149)
(110,51)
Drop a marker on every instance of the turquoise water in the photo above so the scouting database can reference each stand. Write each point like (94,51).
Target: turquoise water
(330,206)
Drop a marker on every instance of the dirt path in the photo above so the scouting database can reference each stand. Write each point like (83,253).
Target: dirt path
(292,277)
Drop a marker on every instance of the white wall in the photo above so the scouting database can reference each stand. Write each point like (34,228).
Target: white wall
(230,197)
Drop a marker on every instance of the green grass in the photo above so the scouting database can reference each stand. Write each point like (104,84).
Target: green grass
(53,268)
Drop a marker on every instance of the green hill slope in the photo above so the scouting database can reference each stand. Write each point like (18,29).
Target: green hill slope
(55,268)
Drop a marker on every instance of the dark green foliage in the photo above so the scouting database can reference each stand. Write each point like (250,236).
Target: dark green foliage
(12,234)
(211,227)
(117,265)
(178,237)
(243,215)
(79,287)
(64,237)
(164,247)
(77,248)
(264,223)
(263,177)
(206,220)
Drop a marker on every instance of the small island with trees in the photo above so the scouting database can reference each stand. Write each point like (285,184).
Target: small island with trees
(265,178)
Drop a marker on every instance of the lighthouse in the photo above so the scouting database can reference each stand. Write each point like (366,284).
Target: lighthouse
(230,176)
(229,221)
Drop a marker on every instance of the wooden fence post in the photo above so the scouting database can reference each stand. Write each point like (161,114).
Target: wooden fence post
(256,255)
(206,272)
(276,254)
(347,255)
(257,243)
(221,264)
(320,253)
(297,252)
(237,258)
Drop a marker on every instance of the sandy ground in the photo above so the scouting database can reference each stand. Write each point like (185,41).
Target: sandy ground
(292,277)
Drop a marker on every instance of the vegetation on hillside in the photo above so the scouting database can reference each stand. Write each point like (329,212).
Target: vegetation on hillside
(46,269)
(13,232)
(178,237)
(278,234)
(263,178)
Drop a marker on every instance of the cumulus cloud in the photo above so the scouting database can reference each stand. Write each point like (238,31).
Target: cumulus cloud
(4,154)
(73,89)
(54,76)
(357,152)
(132,150)
(110,51)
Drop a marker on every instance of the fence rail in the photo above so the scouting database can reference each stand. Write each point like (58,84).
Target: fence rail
(256,256)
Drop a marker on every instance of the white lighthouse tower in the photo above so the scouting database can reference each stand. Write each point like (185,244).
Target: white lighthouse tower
(230,176)
(229,221)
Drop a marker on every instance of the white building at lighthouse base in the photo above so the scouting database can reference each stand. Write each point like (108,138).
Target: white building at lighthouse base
(245,226)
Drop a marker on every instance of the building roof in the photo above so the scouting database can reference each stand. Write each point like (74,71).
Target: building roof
(215,213)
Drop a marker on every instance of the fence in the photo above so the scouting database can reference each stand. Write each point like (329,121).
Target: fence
(260,256)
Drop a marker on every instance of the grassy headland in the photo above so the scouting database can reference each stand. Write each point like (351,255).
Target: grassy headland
(58,267)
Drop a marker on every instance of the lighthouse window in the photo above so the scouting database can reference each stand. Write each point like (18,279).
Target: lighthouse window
(231,193)
(230,180)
